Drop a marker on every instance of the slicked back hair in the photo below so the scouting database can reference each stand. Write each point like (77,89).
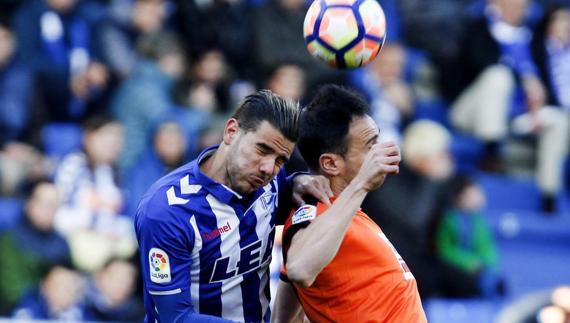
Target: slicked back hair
(264,105)
(324,124)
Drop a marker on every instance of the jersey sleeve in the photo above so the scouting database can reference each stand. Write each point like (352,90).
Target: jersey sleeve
(165,245)
(166,240)
(299,219)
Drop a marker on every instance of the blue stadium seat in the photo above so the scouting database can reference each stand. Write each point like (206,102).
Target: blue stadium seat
(60,139)
(460,311)
(466,151)
(509,193)
(10,212)
(534,250)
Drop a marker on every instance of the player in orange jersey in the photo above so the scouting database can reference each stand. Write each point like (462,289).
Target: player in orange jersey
(341,267)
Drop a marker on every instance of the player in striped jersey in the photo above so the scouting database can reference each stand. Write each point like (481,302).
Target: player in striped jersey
(206,230)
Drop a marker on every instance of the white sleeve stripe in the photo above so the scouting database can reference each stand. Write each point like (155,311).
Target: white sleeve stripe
(165,292)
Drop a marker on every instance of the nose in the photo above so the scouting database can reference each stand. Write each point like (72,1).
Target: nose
(267,166)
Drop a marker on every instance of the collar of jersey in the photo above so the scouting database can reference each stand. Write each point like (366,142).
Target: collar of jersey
(221,192)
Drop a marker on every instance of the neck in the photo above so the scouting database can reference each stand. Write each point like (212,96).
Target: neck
(215,166)
(337,185)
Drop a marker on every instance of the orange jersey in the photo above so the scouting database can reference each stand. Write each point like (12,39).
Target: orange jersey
(367,280)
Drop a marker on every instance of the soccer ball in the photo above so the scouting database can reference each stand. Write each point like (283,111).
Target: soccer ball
(345,33)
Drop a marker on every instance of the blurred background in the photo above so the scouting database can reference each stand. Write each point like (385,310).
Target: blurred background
(99,98)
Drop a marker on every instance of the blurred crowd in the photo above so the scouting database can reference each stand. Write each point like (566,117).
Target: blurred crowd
(100,98)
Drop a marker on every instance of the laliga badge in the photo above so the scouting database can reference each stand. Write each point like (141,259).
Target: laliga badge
(306,212)
(159,266)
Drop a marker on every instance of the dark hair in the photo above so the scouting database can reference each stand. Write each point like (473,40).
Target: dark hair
(458,186)
(96,122)
(156,46)
(29,187)
(264,105)
(324,124)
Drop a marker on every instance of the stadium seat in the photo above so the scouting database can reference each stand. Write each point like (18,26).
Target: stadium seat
(60,139)
(533,250)
(510,193)
(466,151)
(10,212)
(460,311)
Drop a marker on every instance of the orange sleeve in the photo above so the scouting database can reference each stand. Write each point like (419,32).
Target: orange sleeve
(297,220)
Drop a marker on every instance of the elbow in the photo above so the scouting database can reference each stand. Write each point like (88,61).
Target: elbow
(299,275)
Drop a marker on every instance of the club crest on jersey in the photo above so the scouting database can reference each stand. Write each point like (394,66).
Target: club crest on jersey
(267,201)
(306,212)
(159,266)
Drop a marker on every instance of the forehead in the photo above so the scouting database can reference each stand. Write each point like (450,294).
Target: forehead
(268,134)
(363,129)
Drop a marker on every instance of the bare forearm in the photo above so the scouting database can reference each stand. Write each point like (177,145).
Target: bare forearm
(314,247)
(287,307)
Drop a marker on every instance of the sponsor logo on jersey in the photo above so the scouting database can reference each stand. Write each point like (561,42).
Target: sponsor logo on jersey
(251,257)
(207,236)
(159,266)
(306,212)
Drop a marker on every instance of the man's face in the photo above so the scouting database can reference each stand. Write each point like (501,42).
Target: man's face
(104,145)
(362,135)
(513,12)
(42,206)
(7,45)
(256,157)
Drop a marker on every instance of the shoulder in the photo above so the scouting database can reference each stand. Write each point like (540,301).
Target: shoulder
(71,166)
(168,201)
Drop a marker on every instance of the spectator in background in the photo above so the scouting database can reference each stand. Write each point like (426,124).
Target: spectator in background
(544,306)
(224,25)
(390,96)
(19,163)
(288,80)
(495,62)
(16,89)
(110,294)
(55,41)
(551,49)
(464,240)
(167,151)
(211,81)
(146,95)
(32,247)
(117,36)
(58,297)
(559,309)
(406,205)
(90,217)
(277,38)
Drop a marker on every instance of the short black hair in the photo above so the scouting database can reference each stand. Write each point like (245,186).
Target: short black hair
(324,124)
(96,122)
(264,105)
(29,187)
(458,185)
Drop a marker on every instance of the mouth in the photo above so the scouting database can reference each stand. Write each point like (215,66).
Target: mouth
(256,181)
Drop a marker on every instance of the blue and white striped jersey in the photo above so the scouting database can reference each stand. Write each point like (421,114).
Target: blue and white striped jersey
(204,248)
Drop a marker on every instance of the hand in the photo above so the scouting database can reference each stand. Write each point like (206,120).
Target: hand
(381,160)
(314,185)
(535,93)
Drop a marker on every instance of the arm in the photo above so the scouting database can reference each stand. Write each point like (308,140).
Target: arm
(166,237)
(177,309)
(287,307)
(484,244)
(315,246)
(450,252)
(297,185)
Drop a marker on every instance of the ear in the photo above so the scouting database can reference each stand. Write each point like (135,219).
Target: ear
(231,131)
(331,164)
